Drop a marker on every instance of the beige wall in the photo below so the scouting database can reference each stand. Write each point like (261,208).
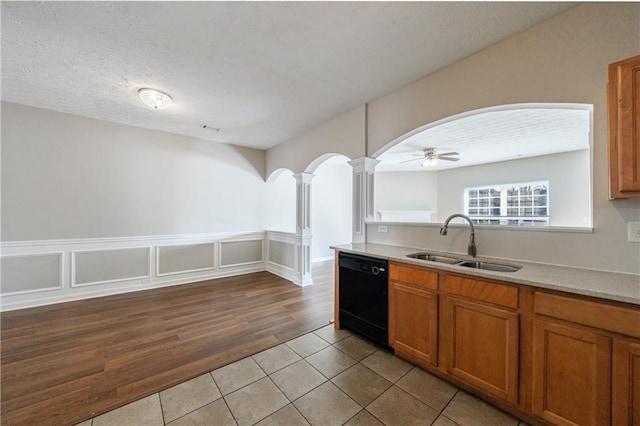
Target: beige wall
(343,135)
(65,176)
(563,59)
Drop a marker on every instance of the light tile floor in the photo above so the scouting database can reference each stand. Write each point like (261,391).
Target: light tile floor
(327,377)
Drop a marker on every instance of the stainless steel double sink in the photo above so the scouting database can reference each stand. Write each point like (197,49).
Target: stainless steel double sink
(475,264)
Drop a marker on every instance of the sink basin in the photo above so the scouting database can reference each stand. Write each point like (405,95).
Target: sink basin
(476,264)
(489,266)
(434,257)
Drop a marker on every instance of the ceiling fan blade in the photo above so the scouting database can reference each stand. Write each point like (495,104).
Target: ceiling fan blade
(448,153)
(448,159)
(407,161)
(404,151)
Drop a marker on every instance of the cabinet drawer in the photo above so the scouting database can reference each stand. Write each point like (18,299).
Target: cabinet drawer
(485,291)
(593,314)
(413,275)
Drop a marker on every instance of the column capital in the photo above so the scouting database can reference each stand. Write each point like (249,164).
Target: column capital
(303,177)
(364,164)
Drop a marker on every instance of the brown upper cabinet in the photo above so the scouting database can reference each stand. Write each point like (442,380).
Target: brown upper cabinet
(623,92)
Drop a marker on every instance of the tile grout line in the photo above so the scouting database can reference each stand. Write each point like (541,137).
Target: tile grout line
(223,396)
(328,379)
(447,404)
(299,412)
(161,409)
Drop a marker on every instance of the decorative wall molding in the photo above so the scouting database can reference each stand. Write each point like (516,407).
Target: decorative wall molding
(69,252)
(282,272)
(69,249)
(74,267)
(60,275)
(123,241)
(235,242)
(159,261)
(300,274)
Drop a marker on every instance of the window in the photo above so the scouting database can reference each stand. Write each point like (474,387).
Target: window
(516,204)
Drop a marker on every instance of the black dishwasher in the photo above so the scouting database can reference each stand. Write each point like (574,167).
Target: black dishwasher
(364,300)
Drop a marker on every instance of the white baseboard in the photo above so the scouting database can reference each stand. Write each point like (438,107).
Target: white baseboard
(30,300)
(282,272)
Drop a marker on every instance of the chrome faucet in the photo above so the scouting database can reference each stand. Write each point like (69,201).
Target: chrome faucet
(471,248)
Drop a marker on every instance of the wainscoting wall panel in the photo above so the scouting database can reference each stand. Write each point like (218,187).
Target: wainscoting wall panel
(29,273)
(288,256)
(185,258)
(96,267)
(282,253)
(246,252)
(36,273)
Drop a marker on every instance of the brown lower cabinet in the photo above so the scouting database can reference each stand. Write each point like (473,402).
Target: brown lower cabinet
(413,329)
(626,382)
(548,357)
(571,375)
(483,346)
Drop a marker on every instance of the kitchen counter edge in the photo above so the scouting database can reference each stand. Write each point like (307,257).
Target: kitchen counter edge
(613,286)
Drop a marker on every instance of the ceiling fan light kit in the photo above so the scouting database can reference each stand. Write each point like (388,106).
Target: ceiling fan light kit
(429,162)
(430,157)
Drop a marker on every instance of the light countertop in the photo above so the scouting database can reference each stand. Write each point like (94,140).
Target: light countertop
(605,285)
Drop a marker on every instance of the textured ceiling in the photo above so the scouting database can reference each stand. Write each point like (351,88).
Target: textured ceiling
(262,72)
(493,136)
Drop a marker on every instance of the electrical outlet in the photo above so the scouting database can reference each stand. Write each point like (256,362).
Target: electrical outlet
(382,228)
(633,232)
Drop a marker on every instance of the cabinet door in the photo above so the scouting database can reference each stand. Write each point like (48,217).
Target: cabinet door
(571,375)
(624,128)
(413,321)
(484,347)
(626,383)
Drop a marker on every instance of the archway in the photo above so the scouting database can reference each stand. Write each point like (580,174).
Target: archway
(331,204)
(281,201)
(516,165)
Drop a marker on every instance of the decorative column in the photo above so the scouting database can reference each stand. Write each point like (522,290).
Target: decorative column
(302,257)
(363,196)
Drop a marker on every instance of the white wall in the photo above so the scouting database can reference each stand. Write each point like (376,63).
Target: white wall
(65,176)
(406,191)
(331,207)
(281,202)
(567,173)
(443,191)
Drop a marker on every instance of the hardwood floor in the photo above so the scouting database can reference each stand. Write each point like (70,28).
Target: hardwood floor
(64,363)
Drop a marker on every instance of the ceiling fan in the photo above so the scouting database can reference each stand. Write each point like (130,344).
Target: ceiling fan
(430,157)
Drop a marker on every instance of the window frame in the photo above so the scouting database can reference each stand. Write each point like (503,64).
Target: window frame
(491,199)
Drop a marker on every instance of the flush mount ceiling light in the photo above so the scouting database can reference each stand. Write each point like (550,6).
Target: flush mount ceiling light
(155,98)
